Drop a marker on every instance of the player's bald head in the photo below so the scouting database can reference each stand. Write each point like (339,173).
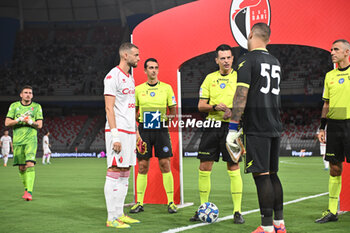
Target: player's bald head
(126,47)
(262,31)
(345,43)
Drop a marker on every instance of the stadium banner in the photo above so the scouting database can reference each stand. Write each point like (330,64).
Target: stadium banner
(184,32)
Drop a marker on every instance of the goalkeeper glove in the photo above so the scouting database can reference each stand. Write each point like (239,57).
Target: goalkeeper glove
(20,119)
(141,146)
(28,120)
(232,145)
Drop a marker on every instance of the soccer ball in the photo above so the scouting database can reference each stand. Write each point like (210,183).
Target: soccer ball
(208,212)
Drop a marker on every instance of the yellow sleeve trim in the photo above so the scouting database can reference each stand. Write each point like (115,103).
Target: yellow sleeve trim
(243,85)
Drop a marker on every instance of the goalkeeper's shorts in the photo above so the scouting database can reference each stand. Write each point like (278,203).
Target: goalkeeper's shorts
(24,153)
(338,141)
(127,156)
(213,143)
(262,154)
(157,138)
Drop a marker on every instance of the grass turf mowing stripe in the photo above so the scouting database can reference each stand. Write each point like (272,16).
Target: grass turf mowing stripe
(179,229)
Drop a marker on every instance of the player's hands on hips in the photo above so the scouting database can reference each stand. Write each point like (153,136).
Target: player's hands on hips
(117,146)
(321,136)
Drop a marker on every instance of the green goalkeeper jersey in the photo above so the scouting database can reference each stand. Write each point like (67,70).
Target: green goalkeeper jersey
(24,133)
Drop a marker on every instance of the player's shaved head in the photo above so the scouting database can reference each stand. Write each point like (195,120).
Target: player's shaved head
(126,47)
(344,42)
(262,31)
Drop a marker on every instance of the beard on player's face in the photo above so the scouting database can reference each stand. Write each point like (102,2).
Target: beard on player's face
(132,64)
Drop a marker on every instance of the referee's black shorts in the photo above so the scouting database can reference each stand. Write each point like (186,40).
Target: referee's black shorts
(262,154)
(213,141)
(338,141)
(157,138)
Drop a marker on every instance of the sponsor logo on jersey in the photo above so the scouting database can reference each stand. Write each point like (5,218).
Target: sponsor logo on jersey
(244,14)
(127,91)
(152,94)
(151,120)
(222,85)
(165,149)
(109,77)
(200,92)
(341,81)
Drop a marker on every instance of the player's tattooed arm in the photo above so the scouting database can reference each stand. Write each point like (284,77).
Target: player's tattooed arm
(239,102)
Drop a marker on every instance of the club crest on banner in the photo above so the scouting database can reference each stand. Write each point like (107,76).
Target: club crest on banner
(244,14)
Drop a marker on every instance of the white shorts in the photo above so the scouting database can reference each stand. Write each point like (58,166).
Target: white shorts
(47,151)
(5,151)
(127,156)
(323,149)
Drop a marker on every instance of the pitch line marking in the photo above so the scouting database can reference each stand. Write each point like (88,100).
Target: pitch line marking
(179,229)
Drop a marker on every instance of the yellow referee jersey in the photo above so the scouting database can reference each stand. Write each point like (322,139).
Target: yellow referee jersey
(337,92)
(154,97)
(219,89)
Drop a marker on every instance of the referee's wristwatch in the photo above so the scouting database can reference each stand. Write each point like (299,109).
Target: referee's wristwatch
(214,106)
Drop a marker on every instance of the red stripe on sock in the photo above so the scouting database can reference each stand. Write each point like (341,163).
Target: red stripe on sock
(125,173)
(114,175)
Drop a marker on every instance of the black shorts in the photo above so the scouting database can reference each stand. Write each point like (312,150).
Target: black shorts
(157,138)
(338,141)
(262,154)
(213,141)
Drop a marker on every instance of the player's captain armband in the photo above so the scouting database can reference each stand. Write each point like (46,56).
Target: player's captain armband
(115,135)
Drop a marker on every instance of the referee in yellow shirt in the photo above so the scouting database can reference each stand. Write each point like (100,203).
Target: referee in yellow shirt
(216,95)
(336,115)
(154,96)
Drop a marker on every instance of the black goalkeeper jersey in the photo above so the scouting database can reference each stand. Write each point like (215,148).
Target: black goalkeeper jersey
(261,73)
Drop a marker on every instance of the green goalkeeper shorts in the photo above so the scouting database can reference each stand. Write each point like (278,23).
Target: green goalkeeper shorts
(24,153)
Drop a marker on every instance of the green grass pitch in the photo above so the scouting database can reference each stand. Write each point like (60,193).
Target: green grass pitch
(68,197)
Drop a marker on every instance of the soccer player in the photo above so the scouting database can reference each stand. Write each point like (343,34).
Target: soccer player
(336,115)
(46,148)
(121,133)
(323,151)
(26,117)
(6,144)
(258,96)
(216,95)
(154,96)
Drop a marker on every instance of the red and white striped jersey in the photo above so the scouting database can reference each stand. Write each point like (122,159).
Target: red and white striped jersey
(122,86)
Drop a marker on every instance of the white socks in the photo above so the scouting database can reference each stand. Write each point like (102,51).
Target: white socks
(5,160)
(122,186)
(110,190)
(116,188)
